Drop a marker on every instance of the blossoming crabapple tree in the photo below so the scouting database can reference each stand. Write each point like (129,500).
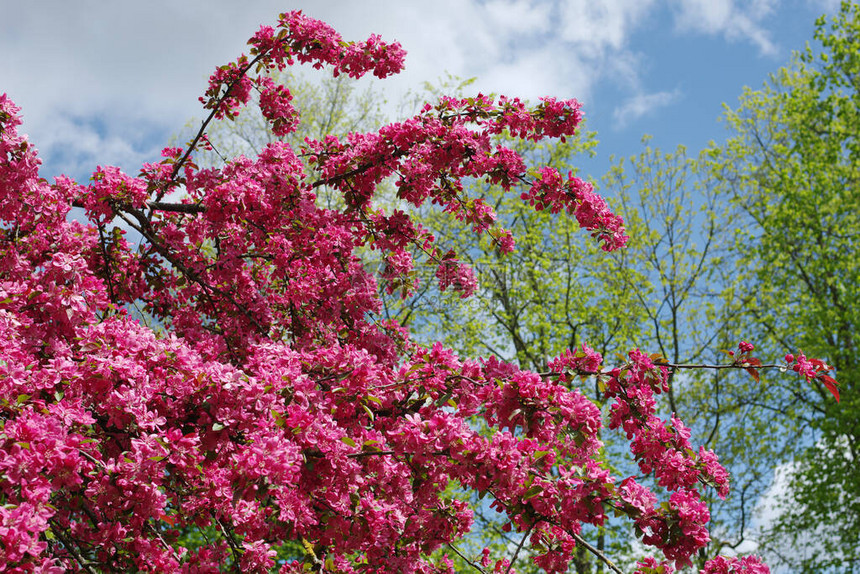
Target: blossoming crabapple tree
(266,404)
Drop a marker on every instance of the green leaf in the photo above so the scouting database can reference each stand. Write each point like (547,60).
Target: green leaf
(539,454)
(532,492)
(368,411)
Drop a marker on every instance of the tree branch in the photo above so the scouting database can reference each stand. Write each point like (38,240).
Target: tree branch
(203,126)
(70,546)
(190,208)
(519,547)
(469,562)
(580,540)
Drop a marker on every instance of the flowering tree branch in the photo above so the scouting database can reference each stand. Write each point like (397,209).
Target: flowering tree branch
(270,406)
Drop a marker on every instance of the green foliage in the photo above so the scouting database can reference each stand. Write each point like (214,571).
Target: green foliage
(791,167)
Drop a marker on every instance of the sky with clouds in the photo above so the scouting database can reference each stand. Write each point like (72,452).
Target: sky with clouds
(110,82)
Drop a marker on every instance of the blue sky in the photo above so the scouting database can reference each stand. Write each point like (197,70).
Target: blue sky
(109,83)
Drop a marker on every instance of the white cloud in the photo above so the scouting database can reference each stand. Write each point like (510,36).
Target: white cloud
(733,20)
(601,26)
(642,105)
(518,16)
(528,76)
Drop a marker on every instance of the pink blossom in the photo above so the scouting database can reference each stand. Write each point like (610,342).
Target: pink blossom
(262,400)
(736,565)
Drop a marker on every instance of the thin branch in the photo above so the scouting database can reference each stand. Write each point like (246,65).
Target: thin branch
(237,553)
(69,545)
(190,208)
(676,366)
(193,145)
(732,366)
(91,458)
(469,562)
(371,453)
(580,540)
(164,543)
(519,547)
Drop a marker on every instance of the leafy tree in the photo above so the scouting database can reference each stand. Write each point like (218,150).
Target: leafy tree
(275,410)
(791,167)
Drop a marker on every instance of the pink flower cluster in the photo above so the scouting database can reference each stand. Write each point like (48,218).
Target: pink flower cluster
(745,348)
(577,197)
(453,273)
(313,41)
(813,370)
(583,361)
(431,153)
(736,565)
(111,186)
(804,367)
(308,41)
(662,449)
(276,107)
(717,565)
(258,403)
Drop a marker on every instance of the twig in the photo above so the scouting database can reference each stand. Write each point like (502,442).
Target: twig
(69,545)
(229,538)
(469,562)
(163,542)
(668,365)
(519,547)
(191,146)
(580,540)
(91,458)
(732,366)
(371,453)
